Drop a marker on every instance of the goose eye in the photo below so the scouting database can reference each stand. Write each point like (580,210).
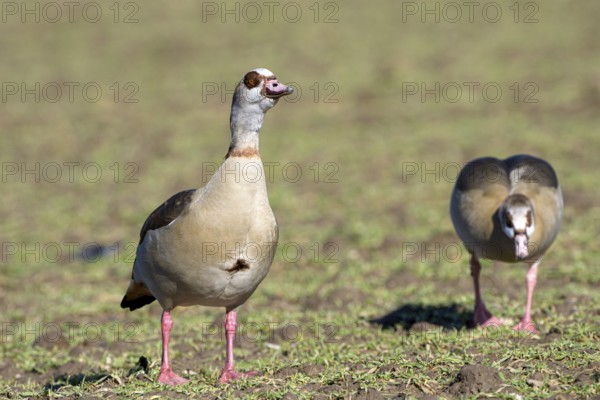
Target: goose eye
(529,218)
(251,79)
(508,222)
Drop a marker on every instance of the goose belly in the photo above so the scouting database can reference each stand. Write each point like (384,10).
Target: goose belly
(194,270)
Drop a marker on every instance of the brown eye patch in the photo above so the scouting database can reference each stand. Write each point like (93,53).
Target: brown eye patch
(251,79)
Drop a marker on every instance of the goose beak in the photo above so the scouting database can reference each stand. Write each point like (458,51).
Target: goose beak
(521,241)
(275,90)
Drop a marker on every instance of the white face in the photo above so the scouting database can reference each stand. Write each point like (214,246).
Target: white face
(263,71)
(517,219)
(260,88)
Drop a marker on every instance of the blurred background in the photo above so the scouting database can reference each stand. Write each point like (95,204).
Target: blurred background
(109,108)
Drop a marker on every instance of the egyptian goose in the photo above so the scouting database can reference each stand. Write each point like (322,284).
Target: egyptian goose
(213,246)
(507,210)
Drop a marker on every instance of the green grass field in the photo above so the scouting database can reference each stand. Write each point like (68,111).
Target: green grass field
(109,110)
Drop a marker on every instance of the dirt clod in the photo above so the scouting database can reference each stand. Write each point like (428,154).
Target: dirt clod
(312,370)
(473,379)
(286,372)
(368,395)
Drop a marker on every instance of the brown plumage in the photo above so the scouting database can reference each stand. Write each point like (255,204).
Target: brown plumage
(167,212)
(214,245)
(507,210)
(138,294)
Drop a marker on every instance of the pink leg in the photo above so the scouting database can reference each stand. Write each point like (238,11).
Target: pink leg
(526,323)
(167,376)
(481,316)
(229,373)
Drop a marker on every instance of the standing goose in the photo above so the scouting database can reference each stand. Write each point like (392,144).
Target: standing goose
(507,210)
(213,246)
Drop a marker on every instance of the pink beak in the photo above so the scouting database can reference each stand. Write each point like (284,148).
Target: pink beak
(521,251)
(274,89)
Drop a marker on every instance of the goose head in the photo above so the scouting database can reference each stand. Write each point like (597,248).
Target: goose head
(517,219)
(256,93)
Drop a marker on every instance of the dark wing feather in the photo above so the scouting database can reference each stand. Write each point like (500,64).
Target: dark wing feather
(531,169)
(137,294)
(481,173)
(167,212)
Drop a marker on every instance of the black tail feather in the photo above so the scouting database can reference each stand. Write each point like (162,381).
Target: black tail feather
(137,302)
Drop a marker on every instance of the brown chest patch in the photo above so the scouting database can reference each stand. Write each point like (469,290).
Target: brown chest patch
(247,153)
(240,265)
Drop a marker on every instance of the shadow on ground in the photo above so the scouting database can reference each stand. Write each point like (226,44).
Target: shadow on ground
(453,316)
(70,375)
(74,380)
